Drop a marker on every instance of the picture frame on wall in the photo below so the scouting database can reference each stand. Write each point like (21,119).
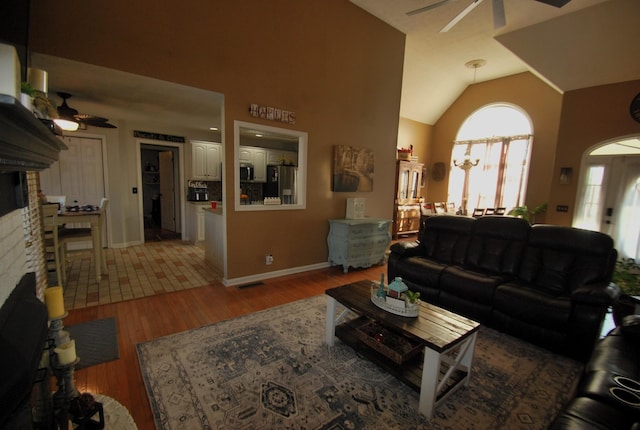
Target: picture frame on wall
(352,169)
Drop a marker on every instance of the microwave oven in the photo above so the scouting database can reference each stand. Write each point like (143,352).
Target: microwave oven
(246,172)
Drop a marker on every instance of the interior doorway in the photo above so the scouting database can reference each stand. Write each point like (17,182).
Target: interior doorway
(160,179)
(608,198)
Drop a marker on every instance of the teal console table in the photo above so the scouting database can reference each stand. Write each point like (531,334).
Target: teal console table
(358,242)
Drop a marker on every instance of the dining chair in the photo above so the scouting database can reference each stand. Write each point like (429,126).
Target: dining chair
(478,212)
(49,215)
(70,235)
(490,211)
(60,200)
(501,211)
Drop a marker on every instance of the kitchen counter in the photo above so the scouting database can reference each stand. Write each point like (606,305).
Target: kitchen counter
(217,211)
(195,219)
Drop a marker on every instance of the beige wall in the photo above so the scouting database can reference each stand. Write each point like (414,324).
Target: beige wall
(336,66)
(543,105)
(564,126)
(590,117)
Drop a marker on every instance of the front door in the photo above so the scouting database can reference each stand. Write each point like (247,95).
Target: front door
(609,200)
(623,213)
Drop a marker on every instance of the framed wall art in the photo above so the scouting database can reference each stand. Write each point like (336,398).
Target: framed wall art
(352,169)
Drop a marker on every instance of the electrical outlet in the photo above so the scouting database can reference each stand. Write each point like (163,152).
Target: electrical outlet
(268,259)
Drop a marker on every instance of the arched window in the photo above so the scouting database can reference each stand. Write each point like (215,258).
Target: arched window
(490,159)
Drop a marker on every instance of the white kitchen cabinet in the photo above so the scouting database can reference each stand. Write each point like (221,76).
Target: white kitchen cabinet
(256,157)
(206,158)
(195,221)
(275,157)
(259,165)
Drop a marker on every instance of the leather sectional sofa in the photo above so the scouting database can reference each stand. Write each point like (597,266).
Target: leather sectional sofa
(549,285)
(608,395)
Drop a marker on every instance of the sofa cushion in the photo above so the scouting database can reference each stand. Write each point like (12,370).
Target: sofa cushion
(533,306)
(445,238)
(468,292)
(560,259)
(496,244)
(584,414)
(616,354)
(422,271)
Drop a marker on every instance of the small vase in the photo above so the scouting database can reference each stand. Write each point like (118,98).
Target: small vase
(26,101)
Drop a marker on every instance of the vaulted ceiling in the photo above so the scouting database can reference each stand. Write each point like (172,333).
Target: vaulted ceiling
(582,44)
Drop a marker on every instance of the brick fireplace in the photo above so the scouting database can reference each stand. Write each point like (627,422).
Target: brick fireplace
(21,247)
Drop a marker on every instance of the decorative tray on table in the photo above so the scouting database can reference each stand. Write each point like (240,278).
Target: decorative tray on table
(393,305)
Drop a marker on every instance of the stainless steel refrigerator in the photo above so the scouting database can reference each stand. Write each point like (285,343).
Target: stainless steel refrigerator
(281,182)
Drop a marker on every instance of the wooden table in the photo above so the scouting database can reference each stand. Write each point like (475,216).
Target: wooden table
(93,218)
(448,339)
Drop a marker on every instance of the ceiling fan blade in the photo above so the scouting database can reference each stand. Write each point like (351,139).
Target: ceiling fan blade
(556,3)
(95,121)
(429,7)
(461,15)
(499,18)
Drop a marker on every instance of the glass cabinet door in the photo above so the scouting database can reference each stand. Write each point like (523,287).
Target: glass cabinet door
(403,184)
(415,184)
(409,178)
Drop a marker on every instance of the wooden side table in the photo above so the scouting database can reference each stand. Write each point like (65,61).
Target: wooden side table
(358,242)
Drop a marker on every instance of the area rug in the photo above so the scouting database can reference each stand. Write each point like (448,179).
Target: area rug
(272,370)
(96,341)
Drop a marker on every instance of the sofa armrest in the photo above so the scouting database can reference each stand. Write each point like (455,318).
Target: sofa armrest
(406,249)
(597,294)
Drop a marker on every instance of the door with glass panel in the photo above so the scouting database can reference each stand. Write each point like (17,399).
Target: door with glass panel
(609,200)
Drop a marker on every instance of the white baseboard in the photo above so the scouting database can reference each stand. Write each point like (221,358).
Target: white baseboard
(275,274)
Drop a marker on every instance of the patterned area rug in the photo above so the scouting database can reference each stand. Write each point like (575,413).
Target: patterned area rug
(272,370)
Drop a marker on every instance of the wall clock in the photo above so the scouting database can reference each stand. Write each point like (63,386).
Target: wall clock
(634,109)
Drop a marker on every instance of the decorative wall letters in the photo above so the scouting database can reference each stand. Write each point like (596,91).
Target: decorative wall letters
(271,113)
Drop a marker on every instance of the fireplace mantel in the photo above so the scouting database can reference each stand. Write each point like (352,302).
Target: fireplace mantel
(25,142)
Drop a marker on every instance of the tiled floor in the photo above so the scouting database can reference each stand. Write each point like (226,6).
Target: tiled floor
(137,271)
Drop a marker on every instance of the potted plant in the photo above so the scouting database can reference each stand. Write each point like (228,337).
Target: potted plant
(27,93)
(627,276)
(412,296)
(524,212)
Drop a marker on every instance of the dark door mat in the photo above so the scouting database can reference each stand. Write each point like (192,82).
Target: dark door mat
(96,341)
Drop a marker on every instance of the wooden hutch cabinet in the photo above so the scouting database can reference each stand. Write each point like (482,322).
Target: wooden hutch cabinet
(406,213)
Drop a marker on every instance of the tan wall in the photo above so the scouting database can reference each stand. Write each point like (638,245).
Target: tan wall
(336,66)
(419,135)
(537,99)
(564,128)
(590,117)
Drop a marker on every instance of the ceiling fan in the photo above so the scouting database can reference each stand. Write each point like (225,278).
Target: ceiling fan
(499,19)
(67,112)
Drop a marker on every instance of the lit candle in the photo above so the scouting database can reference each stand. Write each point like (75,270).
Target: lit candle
(66,353)
(54,301)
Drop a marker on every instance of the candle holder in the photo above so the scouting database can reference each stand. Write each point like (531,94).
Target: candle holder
(56,331)
(64,374)
(43,405)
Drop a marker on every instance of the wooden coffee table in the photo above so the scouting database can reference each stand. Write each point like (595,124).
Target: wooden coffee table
(448,339)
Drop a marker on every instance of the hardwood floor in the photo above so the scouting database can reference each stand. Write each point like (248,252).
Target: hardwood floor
(160,315)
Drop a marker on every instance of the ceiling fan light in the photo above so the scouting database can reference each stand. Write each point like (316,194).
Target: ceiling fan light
(66,124)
